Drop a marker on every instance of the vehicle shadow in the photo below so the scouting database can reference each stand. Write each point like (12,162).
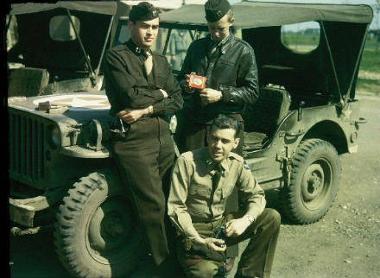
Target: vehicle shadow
(34,256)
(273,201)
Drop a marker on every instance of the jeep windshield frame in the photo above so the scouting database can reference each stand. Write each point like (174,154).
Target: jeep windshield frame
(343,33)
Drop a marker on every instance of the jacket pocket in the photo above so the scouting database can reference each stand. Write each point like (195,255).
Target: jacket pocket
(219,194)
(225,72)
(199,191)
(226,62)
(227,190)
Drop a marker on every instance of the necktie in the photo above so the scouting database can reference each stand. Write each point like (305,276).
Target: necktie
(148,63)
(214,51)
(216,177)
(217,173)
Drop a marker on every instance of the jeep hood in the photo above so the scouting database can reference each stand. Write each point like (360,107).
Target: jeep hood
(70,108)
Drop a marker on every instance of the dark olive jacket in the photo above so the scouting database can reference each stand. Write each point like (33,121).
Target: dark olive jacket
(128,86)
(233,71)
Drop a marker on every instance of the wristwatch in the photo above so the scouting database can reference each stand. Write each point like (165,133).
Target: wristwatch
(250,218)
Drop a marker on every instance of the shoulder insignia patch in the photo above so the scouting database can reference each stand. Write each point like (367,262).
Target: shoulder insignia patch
(236,156)
(246,166)
(188,155)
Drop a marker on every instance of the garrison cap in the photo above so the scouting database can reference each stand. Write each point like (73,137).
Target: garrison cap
(143,11)
(216,9)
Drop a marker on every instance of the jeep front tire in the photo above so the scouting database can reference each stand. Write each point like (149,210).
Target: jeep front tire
(314,181)
(95,235)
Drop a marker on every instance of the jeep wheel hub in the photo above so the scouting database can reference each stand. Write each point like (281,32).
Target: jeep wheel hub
(315,183)
(108,227)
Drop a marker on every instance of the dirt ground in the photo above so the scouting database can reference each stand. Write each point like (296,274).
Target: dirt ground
(345,243)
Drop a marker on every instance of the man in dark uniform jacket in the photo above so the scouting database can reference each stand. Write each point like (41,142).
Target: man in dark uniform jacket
(143,94)
(230,67)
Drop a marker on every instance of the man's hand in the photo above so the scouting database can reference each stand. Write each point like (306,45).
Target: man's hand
(236,227)
(186,86)
(131,116)
(209,95)
(188,78)
(164,93)
(215,244)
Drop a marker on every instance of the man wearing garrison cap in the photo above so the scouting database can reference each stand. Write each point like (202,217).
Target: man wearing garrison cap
(143,94)
(229,65)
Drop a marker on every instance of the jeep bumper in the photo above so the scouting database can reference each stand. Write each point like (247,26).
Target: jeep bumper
(23,211)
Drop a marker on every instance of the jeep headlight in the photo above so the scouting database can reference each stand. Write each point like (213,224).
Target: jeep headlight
(55,137)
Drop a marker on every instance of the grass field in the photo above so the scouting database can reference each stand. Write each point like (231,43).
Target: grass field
(369,72)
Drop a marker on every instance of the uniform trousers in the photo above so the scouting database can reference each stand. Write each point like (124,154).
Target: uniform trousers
(255,261)
(144,157)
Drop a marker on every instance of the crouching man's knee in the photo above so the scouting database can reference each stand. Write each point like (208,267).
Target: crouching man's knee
(274,217)
(269,220)
(202,269)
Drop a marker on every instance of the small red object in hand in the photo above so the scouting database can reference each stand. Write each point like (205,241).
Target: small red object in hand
(197,81)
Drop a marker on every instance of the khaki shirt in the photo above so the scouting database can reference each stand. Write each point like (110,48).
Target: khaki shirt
(194,199)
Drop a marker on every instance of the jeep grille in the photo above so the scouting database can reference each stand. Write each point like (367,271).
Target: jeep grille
(27,146)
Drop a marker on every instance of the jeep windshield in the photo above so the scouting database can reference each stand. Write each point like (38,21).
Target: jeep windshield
(64,41)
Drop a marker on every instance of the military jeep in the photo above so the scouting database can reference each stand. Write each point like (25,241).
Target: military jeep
(306,115)
(61,172)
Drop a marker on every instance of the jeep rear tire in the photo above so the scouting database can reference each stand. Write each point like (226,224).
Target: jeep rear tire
(314,182)
(95,235)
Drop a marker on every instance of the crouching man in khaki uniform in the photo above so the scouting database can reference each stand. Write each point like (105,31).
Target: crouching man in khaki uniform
(202,180)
